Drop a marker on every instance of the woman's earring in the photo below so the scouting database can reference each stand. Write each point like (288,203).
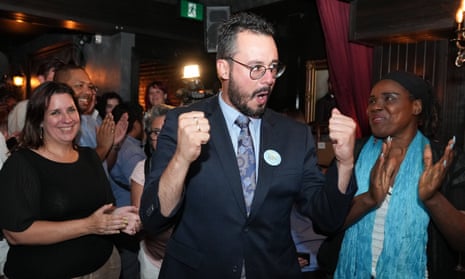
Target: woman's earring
(41,132)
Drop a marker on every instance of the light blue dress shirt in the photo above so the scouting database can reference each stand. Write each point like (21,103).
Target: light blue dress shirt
(88,135)
(129,155)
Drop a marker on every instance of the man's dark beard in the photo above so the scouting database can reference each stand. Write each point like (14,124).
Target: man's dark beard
(240,103)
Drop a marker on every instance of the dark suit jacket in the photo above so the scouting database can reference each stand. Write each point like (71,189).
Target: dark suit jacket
(213,235)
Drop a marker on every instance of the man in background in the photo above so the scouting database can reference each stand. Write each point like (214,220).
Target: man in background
(103,135)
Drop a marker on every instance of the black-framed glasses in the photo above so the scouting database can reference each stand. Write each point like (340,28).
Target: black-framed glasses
(154,131)
(258,71)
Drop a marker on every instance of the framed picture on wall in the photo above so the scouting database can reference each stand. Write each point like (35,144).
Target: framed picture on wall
(316,86)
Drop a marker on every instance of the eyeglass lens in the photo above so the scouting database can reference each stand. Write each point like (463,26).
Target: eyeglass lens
(258,71)
(155,131)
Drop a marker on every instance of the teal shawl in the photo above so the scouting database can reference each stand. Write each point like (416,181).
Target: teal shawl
(405,230)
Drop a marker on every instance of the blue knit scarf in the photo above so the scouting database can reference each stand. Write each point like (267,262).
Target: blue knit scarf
(405,230)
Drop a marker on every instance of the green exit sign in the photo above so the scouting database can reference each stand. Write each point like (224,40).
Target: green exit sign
(191,10)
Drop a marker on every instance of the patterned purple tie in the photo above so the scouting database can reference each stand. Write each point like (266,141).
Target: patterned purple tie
(246,160)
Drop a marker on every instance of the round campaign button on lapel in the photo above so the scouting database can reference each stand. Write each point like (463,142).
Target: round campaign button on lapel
(272,157)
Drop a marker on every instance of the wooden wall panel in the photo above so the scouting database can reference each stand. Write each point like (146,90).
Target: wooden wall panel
(454,102)
(420,58)
(151,71)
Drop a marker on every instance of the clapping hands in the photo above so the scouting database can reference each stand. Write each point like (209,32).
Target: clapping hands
(131,215)
(433,174)
(385,170)
(110,220)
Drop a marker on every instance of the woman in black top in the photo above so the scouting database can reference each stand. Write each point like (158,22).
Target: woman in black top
(55,200)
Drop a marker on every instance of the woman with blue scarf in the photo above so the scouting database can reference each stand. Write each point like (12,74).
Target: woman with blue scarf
(401,205)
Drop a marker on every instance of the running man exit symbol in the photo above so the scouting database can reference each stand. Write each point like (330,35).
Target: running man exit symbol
(191,10)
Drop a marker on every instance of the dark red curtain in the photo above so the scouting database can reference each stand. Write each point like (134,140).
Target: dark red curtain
(350,64)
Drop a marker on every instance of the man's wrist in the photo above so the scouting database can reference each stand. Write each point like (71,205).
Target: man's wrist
(348,164)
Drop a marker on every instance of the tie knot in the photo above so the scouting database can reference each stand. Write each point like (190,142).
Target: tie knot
(242,121)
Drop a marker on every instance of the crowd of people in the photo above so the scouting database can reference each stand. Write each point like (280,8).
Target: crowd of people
(96,187)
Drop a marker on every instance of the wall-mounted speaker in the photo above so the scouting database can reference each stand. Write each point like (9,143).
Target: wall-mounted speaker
(214,17)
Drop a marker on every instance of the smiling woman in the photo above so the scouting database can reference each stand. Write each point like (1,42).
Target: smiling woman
(410,191)
(49,101)
(60,195)
(59,128)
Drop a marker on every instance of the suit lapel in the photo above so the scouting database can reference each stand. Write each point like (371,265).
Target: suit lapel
(221,142)
(265,171)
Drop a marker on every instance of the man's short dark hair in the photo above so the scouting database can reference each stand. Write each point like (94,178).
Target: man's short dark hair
(227,32)
(134,111)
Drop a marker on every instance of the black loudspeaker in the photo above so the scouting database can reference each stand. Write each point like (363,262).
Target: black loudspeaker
(214,17)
